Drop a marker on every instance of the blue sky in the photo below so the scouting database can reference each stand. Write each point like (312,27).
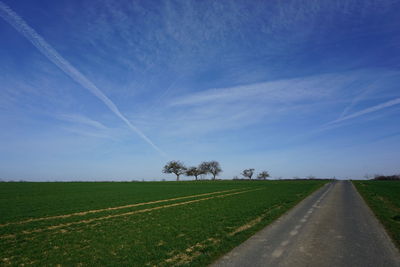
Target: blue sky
(112,90)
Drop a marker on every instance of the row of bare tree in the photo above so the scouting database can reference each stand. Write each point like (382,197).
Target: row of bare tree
(207,167)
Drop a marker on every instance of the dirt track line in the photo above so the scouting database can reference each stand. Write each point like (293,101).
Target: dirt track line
(125,214)
(189,254)
(112,208)
(255,221)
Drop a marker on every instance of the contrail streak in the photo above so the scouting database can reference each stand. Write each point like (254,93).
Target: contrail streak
(47,50)
(368,110)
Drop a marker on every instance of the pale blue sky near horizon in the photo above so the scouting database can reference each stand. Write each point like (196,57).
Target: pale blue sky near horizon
(112,90)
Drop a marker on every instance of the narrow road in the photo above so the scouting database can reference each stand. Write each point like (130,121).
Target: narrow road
(332,227)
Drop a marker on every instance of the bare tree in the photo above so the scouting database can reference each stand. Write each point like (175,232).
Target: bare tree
(204,168)
(194,171)
(263,175)
(248,173)
(215,168)
(212,167)
(175,167)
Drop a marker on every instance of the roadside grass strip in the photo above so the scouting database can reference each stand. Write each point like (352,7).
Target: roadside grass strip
(86,221)
(383,197)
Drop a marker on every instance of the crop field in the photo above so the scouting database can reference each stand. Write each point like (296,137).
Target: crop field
(137,223)
(383,197)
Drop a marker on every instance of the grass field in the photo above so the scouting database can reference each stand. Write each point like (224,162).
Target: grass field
(384,199)
(137,224)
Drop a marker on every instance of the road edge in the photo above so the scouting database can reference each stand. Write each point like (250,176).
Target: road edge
(276,220)
(385,233)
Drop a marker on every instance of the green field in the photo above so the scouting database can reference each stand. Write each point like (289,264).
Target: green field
(383,197)
(137,223)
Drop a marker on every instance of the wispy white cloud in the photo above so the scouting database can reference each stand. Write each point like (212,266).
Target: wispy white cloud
(82,125)
(373,82)
(356,100)
(82,120)
(375,108)
(47,50)
(234,108)
(276,92)
(88,133)
(286,101)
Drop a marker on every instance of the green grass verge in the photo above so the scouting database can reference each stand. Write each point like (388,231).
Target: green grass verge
(383,197)
(190,231)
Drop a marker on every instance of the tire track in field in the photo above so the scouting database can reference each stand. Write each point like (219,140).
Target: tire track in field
(189,254)
(125,214)
(82,213)
(255,221)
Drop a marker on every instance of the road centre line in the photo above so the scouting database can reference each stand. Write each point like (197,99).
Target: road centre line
(279,251)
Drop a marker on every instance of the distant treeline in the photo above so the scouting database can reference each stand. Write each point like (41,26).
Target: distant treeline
(387,177)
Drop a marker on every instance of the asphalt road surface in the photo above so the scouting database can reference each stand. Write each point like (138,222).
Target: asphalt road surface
(332,227)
